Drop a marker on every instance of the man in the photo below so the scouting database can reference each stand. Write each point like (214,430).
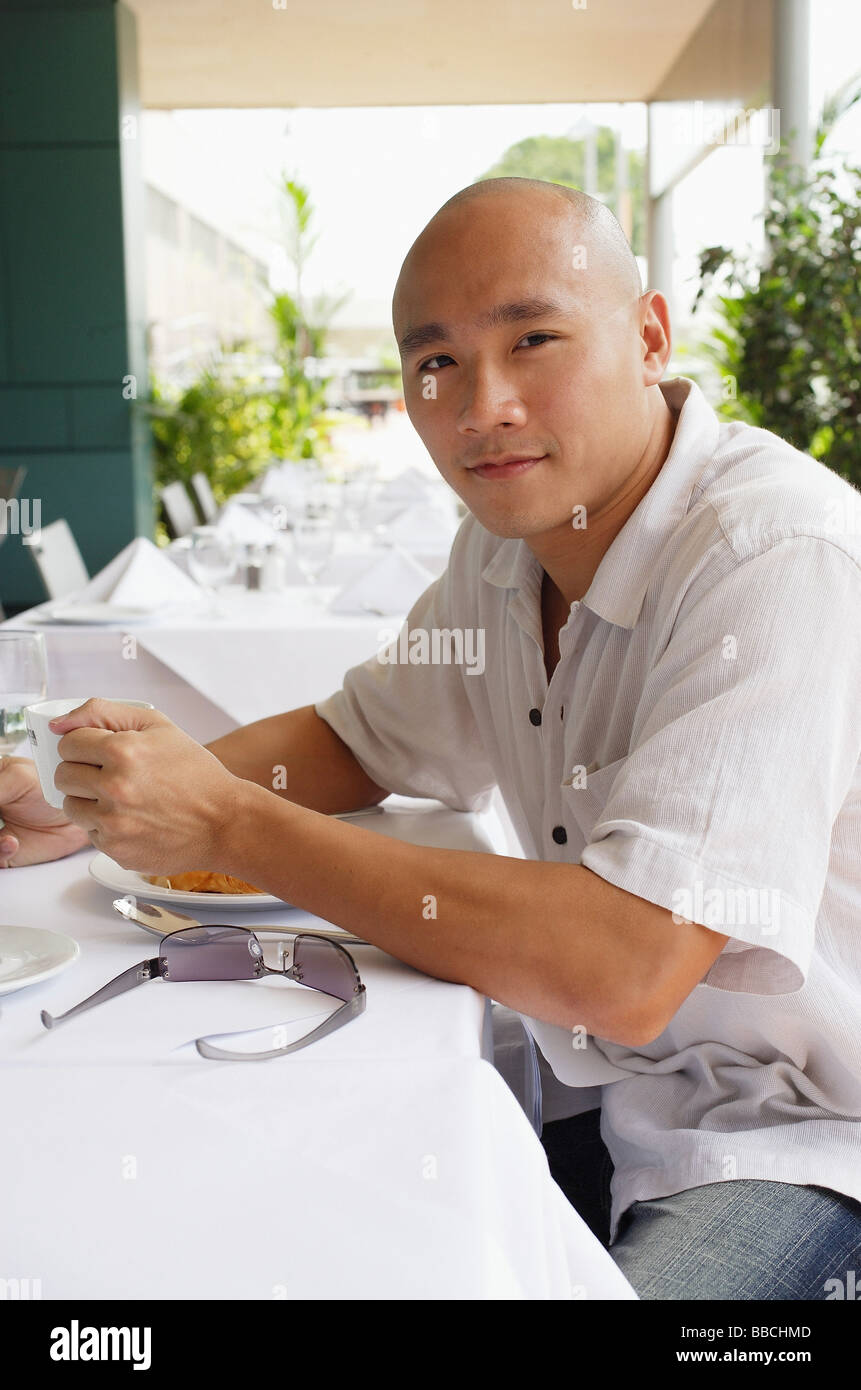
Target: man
(669,706)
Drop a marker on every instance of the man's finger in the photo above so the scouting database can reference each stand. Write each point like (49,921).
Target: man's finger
(84,745)
(16,779)
(106,714)
(78,779)
(8,849)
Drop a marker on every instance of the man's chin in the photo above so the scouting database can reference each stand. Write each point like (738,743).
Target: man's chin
(514,525)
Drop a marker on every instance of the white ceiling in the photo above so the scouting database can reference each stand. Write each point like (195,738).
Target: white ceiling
(247,53)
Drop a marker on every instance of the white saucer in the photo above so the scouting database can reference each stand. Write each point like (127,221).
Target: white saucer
(31,954)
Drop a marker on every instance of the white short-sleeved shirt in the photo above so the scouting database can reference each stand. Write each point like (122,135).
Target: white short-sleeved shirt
(698,745)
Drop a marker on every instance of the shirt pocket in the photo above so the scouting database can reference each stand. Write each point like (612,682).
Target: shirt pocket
(586,803)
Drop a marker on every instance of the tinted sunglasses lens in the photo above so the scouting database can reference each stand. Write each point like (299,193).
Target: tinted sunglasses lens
(211,953)
(326,967)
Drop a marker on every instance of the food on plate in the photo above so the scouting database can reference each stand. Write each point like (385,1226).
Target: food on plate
(201,881)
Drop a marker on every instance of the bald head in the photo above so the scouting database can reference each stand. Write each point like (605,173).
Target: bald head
(602,261)
(600,232)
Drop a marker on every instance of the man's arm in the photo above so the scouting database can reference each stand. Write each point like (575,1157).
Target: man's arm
(553,941)
(299,756)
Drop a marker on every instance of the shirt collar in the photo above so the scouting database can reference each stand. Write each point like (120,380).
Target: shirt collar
(620,582)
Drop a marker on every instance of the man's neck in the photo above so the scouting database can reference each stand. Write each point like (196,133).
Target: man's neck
(570,555)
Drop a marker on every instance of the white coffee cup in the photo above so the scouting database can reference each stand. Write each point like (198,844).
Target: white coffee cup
(44,742)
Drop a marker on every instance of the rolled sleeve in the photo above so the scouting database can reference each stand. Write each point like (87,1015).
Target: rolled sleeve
(745,747)
(412,727)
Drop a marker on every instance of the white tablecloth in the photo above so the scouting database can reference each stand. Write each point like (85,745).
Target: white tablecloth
(389,1160)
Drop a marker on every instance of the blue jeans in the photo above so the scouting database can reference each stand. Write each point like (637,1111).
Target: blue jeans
(747,1239)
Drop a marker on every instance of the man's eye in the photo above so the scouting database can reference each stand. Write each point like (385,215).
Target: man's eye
(548,337)
(425,365)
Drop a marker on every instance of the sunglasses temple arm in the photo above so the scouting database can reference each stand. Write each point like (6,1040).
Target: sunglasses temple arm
(348,1010)
(135,975)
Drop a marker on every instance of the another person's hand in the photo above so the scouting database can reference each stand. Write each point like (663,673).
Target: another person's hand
(34,832)
(146,793)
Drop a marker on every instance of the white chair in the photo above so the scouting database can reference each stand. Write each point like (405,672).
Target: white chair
(58,559)
(204,496)
(178,510)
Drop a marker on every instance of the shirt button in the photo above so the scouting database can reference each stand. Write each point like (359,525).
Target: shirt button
(560,834)
(535,717)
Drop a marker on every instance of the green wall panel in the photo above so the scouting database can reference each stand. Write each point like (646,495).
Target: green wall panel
(32,419)
(72,306)
(66,293)
(42,58)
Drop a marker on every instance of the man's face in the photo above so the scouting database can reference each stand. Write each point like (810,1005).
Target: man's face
(560,386)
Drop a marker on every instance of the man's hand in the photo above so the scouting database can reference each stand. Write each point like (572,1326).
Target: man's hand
(34,832)
(146,793)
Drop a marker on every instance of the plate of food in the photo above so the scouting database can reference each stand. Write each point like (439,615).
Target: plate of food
(196,888)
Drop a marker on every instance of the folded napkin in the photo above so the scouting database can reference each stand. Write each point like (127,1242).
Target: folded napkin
(421,528)
(140,576)
(288,481)
(237,523)
(408,486)
(390,586)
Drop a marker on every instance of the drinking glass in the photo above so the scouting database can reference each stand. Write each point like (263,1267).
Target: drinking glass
(23,681)
(212,561)
(313,543)
(356,491)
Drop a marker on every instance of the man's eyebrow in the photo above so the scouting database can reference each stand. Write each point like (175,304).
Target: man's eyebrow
(512,312)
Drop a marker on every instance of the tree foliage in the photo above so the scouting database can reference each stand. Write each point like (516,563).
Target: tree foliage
(787,339)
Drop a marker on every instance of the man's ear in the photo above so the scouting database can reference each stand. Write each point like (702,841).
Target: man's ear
(655,336)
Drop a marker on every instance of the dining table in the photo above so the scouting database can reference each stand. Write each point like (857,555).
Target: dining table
(388,1159)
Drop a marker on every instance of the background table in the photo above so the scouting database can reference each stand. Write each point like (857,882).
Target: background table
(266,654)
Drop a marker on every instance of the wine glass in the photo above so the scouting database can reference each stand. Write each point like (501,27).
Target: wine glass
(313,543)
(23,681)
(211,561)
(356,490)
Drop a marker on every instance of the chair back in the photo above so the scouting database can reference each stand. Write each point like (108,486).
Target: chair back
(10,482)
(10,485)
(204,497)
(179,514)
(58,559)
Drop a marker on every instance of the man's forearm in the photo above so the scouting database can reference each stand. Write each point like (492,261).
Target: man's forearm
(299,756)
(551,940)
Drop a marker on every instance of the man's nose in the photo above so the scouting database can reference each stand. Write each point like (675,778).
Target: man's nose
(489,400)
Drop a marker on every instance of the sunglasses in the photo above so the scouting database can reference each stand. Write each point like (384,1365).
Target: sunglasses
(234,953)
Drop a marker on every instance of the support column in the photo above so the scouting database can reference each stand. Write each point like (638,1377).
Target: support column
(659,230)
(791,78)
(72,290)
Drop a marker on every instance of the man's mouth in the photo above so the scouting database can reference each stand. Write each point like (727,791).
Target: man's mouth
(509,466)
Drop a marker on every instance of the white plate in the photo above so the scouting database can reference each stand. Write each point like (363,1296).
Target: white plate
(90,614)
(29,954)
(109,874)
